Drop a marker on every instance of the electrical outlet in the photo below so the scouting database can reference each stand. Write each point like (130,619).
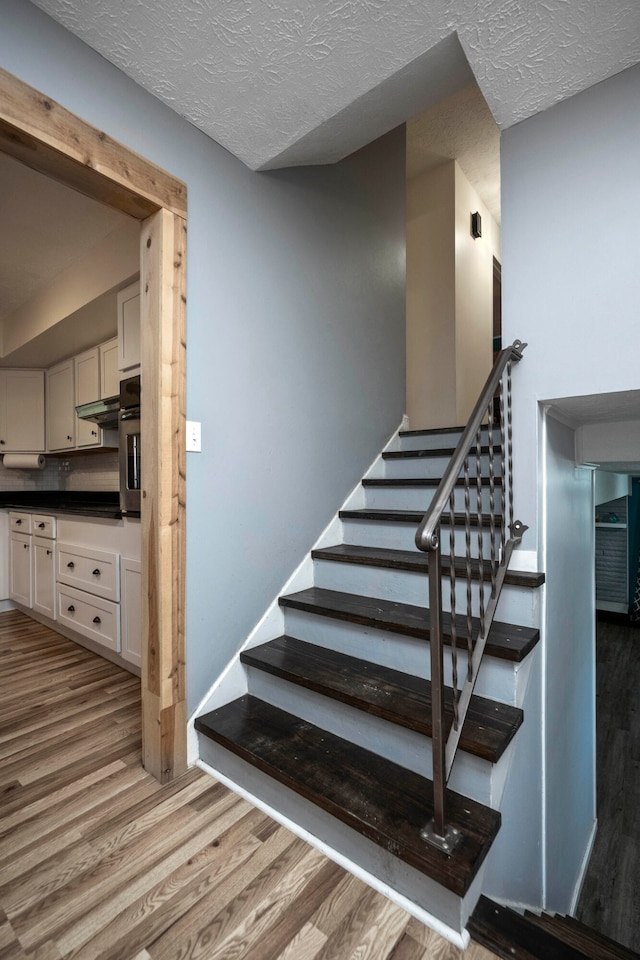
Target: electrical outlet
(194,436)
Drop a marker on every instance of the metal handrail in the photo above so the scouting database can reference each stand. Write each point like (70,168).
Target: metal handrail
(428,540)
(426,536)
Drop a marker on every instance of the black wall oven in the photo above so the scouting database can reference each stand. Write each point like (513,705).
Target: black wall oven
(129,428)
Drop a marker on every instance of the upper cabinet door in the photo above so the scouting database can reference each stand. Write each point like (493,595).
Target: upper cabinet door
(21,411)
(129,327)
(87,388)
(61,414)
(109,371)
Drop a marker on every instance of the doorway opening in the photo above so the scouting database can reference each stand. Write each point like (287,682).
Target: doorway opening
(453,257)
(51,140)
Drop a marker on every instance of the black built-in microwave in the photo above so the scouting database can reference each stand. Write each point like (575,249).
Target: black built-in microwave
(130,459)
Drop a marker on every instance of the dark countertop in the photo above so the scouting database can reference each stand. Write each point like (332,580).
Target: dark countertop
(72,502)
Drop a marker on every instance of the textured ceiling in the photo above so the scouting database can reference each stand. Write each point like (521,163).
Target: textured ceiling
(282,82)
(460,127)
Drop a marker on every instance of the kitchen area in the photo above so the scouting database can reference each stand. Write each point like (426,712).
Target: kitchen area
(70,390)
(71,533)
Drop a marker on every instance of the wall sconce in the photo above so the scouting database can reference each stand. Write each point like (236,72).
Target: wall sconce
(476,225)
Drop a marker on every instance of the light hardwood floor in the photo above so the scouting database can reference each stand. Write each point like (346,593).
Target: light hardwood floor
(100,862)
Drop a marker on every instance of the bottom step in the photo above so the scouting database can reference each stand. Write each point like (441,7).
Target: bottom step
(380,800)
(515,937)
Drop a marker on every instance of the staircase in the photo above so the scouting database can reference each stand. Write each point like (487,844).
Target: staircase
(515,936)
(328,725)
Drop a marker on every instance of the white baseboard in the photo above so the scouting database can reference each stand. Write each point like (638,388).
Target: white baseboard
(459,939)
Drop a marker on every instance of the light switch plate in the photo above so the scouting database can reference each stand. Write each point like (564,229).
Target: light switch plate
(194,436)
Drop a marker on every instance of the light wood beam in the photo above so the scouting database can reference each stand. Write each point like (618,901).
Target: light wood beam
(163,318)
(46,137)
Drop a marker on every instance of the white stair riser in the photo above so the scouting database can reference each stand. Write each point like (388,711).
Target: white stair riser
(517,604)
(496,678)
(427,467)
(437,441)
(400,535)
(419,498)
(470,776)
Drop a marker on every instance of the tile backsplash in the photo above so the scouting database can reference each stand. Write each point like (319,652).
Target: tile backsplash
(91,471)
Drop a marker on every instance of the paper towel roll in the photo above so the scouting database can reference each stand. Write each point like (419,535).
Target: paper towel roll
(24,461)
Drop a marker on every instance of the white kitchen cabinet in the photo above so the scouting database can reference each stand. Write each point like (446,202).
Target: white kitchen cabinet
(22,411)
(87,389)
(109,371)
(61,414)
(129,327)
(20,581)
(131,610)
(44,576)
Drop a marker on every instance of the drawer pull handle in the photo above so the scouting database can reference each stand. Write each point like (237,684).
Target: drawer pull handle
(2,442)
(71,609)
(18,522)
(96,572)
(97,620)
(41,526)
(48,553)
(26,546)
(71,564)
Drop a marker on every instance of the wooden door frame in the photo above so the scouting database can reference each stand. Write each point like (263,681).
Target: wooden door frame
(48,138)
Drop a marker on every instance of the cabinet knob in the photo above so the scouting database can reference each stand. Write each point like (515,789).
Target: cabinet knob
(69,438)
(26,546)
(2,442)
(71,564)
(94,433)
(96,572)
(97,620)
(41,526)
(48,553)
(18,522)
(71,609)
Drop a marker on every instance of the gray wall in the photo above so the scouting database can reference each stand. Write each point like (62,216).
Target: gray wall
(570,260)
(571,287)
(295,332)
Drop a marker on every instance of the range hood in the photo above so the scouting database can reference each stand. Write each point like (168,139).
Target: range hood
(103,412)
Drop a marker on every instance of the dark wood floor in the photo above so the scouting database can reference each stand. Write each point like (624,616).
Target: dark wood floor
(610,900)
(100,862)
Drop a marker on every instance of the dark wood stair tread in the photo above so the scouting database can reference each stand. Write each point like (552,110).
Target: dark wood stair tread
(381,800)
(436,452)
(421,482)
(511,935)
(417,561)
(413,516)
(592,943)
(431,431)
(382,692)
(506,641)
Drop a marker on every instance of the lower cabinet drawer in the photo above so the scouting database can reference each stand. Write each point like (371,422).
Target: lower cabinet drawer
(89,569)
(91,616)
